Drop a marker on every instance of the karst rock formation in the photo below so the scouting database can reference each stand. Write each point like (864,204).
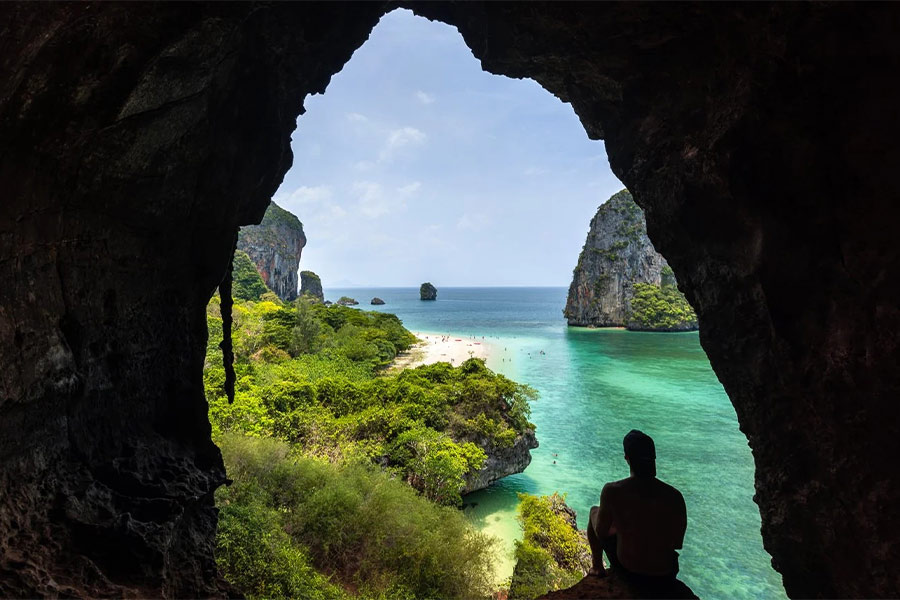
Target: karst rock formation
(759,139)
(275,247)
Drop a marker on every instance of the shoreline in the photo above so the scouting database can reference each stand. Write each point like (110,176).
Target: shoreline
(447,347)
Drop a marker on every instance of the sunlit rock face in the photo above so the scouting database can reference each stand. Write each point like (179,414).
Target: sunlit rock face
(275,247)
(760,141)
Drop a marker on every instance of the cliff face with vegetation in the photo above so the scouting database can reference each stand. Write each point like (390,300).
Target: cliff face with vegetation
(311,285)
(275,246)
(617,264)
(553,553)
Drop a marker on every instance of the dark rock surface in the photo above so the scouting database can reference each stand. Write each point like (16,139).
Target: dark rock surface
(760,140)
(377,301)
(135,140)
(275,247)
(616,586)
(501,461)
(616,255)
(311,285)
(427,292)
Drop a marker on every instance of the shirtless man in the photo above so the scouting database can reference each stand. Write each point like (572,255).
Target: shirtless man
(640,521)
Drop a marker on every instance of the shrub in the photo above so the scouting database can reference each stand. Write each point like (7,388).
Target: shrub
(372,533)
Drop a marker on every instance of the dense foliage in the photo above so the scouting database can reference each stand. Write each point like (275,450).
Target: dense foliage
(246,284)
(552,554)
(660,307)
(287,519)
(311,375)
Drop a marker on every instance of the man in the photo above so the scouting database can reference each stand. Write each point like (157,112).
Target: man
(640,521)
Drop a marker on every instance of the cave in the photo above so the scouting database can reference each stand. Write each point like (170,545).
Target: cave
(135,139)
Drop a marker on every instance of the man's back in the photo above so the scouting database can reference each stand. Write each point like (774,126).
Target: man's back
(649,519)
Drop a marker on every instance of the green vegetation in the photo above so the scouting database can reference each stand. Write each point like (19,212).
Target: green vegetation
(347,476)
(553,554)
(288,519)
(246,282)
(661,308)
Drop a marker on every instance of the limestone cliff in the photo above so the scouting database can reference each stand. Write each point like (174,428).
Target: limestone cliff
(311,285)
(501,461)
(618,260)
(275,246)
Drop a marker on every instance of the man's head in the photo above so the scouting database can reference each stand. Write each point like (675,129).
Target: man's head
(640,452)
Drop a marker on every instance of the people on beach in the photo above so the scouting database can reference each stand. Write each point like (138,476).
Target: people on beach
(640,523)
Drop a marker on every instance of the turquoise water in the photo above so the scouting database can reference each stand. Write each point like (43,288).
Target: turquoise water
(596,385)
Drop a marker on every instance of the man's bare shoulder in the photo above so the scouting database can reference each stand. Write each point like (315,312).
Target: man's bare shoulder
(614,485)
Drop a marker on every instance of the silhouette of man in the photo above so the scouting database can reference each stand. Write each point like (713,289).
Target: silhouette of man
(640,522)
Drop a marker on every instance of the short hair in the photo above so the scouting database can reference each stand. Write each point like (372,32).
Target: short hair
(640,452)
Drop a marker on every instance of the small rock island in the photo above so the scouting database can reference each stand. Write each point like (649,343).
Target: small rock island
(427,292)
(311,285)
(347,301)
(377,301)
(621,280)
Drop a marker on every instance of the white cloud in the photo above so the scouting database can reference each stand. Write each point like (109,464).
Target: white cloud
(357,118)
(401,138)
(375,201)
(473,221)
(372,202)
(409,189)
(306,195)
(424,97)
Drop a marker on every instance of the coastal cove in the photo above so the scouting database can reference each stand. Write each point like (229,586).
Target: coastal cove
(594,386)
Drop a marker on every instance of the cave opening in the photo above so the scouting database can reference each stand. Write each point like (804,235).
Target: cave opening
(760,140)
(405,183)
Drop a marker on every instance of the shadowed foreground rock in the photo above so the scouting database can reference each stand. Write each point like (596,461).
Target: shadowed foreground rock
(760,140)
(614,586)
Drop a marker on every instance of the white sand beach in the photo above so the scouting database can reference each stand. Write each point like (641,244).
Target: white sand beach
(437,347)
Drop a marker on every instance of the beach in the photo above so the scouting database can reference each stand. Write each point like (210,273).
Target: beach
(437,347)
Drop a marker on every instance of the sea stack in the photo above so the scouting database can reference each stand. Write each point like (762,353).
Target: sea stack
(275,246)
(621,280)
(377,301)
(427,292)
(311,285)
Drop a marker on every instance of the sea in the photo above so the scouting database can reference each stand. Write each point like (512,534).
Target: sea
(594,386)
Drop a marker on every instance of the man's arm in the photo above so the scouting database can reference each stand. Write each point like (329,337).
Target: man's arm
(603,525)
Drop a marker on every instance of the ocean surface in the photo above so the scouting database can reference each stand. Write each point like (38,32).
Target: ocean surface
(594,386)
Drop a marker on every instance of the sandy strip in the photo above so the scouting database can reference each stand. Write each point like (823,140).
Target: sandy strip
(436,347)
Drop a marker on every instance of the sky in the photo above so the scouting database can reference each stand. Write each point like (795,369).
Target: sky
(415,165)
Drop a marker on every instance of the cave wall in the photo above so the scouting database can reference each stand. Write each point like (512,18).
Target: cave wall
(135,138)
(761,141)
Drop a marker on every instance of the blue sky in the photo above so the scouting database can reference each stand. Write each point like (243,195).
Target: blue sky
(415,165)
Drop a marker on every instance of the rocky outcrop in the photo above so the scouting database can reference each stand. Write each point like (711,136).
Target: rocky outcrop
(347,301)
(427,292)
(501,461)
(377,301)
(275,246)
(311,285)
(759,138)
(616,256)
(614,586)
